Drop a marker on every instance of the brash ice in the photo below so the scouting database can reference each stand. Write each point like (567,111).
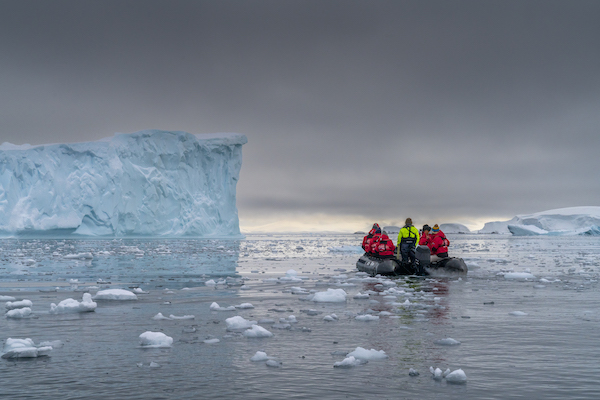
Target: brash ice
(150,183)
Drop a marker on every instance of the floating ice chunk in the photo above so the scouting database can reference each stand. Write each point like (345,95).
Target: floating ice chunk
(11,305)
(138,290)
(413,372)
(518,313)
(298,290)
(456,376)
(212,341)
(155,339)
(447,342)
(237,322)
(74,306)
(257,331)
(365,354)
(273,363)
(7,298)
(259,356)
(210,282)
(154,364)
(19,313)
(329,296)
(244,306)
(115,294)
(437,373)
(366,317)
(330,318)
(23,348)
(216,307)
(349,362)
(159,316)
(519,275)
(361,296)
(79,256)
(182,317)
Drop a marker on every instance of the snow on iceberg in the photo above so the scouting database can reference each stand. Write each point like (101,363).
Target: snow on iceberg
(74,306)
(561,221)
(155,339)
(23,348)
(115,294)
(150,183)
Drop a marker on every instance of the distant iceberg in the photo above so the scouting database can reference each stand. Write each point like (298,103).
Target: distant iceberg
(562,221)
(454,228)
(150,183)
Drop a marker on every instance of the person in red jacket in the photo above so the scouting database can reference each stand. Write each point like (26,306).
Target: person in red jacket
(386,246)
(365,243)
(438,243)
(374,242)
(424,240)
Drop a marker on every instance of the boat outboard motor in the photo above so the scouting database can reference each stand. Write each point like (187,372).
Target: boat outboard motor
(423,256)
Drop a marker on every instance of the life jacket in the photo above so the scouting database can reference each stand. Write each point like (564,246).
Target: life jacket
(386,246)
(409,235)
(375,243)
(439,243)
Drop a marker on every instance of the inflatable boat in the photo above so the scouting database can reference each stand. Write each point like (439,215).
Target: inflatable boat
(425,266)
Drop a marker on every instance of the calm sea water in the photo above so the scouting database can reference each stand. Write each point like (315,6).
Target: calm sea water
(551,352)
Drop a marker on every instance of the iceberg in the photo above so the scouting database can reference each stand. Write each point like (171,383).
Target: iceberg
(454,228)
(561,221)
(150,183)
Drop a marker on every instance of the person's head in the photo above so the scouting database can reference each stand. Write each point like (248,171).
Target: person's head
(426,229)
(435,229)
(375,225)
(408,221)
(378,230)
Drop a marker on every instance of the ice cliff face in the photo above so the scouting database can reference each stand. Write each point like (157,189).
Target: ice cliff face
(149,183)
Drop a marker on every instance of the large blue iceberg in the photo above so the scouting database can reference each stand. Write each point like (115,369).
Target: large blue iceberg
(146,184)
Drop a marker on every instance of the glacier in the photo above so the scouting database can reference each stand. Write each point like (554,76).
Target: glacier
(150,183)
(561,221)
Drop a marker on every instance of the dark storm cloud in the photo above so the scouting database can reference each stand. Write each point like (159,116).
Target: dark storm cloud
(443,109)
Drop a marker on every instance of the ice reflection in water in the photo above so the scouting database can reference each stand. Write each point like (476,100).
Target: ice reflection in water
(550,353)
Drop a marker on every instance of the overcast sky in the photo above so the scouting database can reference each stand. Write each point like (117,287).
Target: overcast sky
(355,111)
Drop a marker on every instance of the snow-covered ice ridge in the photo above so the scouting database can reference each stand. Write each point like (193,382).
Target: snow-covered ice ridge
(561,221)
(150,183)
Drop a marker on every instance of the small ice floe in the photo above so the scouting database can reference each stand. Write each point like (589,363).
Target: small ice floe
(155,339)
(74,306)
(456,376)
(413,372)
(298,290)
(23,348)
(330,318)
(359,296)
(290,276)
(182,317)
(437,373)
(244,306)
(273,363)
(521,276)
(447,342)
(159,317)
(349,362)
(216,307)
(259,356)
(238,323)
(212,341)
(115,294)
(518,313)
(138,290)
(329,296)
(7,298)
(366,317)
(257,331)
(210,282)
(79,256)
(153,365)
(12,305)
(289,320)
(19,313)
(365,354)
(245,287)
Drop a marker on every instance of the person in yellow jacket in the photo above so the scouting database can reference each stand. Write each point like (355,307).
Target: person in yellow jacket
(408,238)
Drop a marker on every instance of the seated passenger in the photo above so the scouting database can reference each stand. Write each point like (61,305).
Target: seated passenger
(424,241)
(386,246)
(366,248)
(438,244)
(374,242)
